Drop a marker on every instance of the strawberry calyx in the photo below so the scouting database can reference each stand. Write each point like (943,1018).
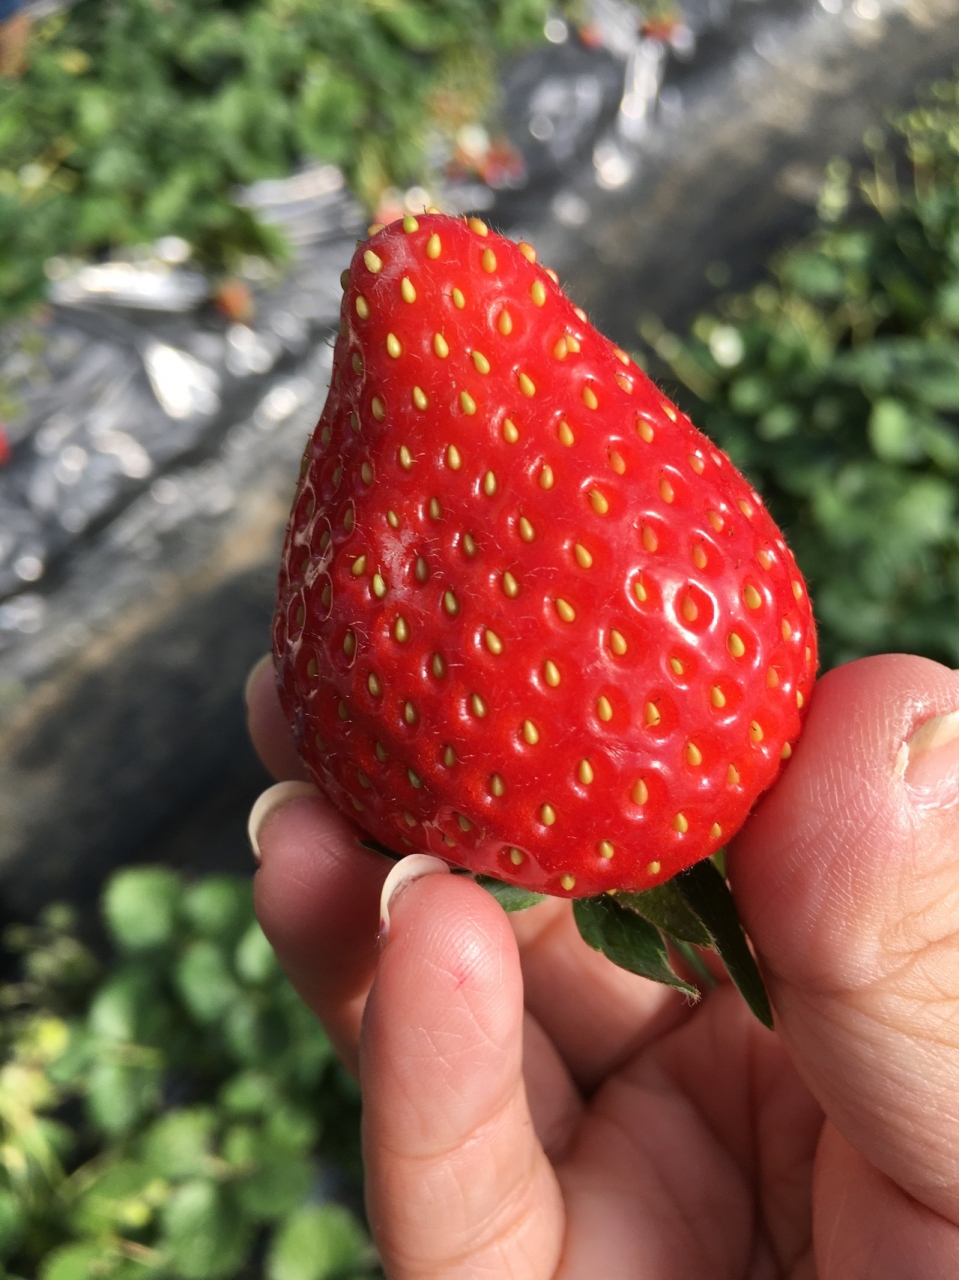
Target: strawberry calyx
(639,931)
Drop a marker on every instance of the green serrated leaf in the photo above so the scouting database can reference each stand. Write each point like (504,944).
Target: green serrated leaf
(75,1261)
(12,1222)
(120,1094)
(665,907)
(510,896)
(180,1144)
(255,960)
(204,1236)
(121,1009)
(140,907)
(315,1242)
(272,1176)
(218,907)
(249,1093)
(205,982)
(709,897)
(627,939)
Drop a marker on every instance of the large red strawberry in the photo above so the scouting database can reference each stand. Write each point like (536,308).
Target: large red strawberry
(529,618)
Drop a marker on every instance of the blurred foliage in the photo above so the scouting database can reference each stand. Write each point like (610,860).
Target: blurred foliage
(835,385)
(136,118)
(175,1113)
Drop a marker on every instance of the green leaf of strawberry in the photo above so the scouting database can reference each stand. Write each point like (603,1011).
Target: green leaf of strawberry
(666,908)
(510,896)
(707,894)
(529,618)
(628,940)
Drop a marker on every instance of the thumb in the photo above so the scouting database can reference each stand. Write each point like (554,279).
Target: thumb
(457,1183)
(847,878)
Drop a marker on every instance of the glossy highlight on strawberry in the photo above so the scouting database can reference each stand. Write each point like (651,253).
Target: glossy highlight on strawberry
(529,618)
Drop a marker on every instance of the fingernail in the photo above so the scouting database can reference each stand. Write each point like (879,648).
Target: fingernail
(265,661)
(930,758)
(273,798)
(401,874)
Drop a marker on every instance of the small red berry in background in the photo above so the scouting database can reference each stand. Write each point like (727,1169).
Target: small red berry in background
(234,300)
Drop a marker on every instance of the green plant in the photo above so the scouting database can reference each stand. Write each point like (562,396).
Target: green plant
(137,119)
(169,1114)
(835,385)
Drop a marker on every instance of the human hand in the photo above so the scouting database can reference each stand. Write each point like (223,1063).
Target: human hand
(532,1111)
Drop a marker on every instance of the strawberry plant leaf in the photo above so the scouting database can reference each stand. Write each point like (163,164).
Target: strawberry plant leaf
(708,895)
(627,939)
(196,1126)
(123,148)
(510,896)
(316,1240)
(665,907)
(140,906)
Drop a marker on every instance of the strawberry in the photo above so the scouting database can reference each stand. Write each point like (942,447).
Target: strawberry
(529,619)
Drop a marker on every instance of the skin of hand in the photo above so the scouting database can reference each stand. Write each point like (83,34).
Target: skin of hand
(533,1112)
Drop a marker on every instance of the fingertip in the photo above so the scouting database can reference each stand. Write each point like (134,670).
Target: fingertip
(317,896)
(313,871)
(845,878)
(262,664)
(448,926)
(454,1168)
(268,726)
(449,973)
(824,850)
(403,873)
(269,802)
